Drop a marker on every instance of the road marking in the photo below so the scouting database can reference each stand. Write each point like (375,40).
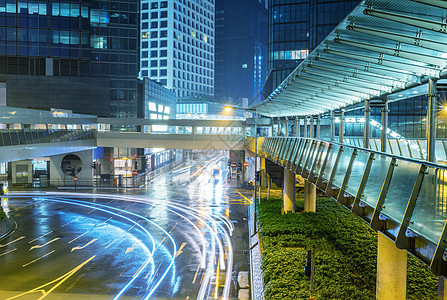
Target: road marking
(180,250)
(78,237)
(216,290)
(112,242)
(18,239)
(8,252)
(173,227)
(134,225)
(70,222)
(80,248)
(40,246)
(59,281)
(27,264)
(246,199)
(130,248)
(106,221)
(144,264)
(195,276)
(40,237)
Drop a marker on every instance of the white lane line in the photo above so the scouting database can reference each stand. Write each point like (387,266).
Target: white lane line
(40,237)
(78,237)
(18,239)
(37,259)
(8,252)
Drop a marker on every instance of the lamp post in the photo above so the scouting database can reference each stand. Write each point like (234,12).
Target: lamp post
(229,109)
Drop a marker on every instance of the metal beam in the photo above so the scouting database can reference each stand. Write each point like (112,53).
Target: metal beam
(424,70)
(407,19)
(438,3)
(398,52)
(402,38)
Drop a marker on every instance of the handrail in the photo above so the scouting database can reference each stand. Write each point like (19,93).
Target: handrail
(405,198)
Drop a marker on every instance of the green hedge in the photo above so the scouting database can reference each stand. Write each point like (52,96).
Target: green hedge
(345,257)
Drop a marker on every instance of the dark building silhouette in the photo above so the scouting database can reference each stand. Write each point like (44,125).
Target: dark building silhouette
(241,49)
(78,55)
(296,27)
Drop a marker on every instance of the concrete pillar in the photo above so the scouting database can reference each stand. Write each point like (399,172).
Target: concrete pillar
(442,288)
(431,120)
(289,191)
(332,126)
(384,125)
(244,169)
(305,127)
(341,127)
(311,127)
(22,172)
(317,135)
(310,197)
(391,270)
(367,127)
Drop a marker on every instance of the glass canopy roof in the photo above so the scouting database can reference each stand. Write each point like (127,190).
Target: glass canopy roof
(381,48)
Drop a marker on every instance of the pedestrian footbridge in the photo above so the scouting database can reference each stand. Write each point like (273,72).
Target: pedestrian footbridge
(404,198)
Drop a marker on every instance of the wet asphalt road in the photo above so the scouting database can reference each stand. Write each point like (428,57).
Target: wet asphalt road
(184,236)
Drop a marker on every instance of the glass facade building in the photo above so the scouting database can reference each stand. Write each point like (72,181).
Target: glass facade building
(158,102)
(296,27)
(241,50)
(78,55)
(177,45)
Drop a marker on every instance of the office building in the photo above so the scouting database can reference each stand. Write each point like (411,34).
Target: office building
(77,55)
(296,27)
(177,45)
(241,50)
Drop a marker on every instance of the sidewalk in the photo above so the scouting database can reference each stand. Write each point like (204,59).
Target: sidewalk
(257,281)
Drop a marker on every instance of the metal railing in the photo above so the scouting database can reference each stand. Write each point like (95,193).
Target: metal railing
(15,137)
(404,198)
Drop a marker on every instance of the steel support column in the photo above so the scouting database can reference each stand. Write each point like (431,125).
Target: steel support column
(305,127)
(341,127)
(317,135)
(367,130)
(297,126)
(310,197)
(431,120)
(332,126)
(384,125)
(311,126)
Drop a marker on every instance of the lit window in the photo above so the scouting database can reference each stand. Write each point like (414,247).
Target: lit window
(152,106)
(165,117)
(145,35)
(205,39)
(154,117)
(244,66)
(160,108)
(167,110)
(160,117)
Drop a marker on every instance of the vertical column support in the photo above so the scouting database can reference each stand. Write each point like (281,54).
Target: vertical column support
(391,270)
(272,119)
(263,177)
(332,126)
(311,126)
(384,124)
(286,127)
(310,197)
(297,126)
(341,127)
(305,127)
(317,136)
(367,130)
(289,191)
(431,120)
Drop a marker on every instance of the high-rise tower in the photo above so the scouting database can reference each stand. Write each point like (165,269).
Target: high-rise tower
(177,45)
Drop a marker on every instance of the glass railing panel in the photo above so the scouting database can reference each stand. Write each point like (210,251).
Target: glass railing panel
(379,169)
(6,139)
(358,169)
(430,212)
(301,150)
(373,145)
(14,137)
(401,186)
(440,151)
(313,156)
(305,153)
(331,161)
(321,158)
(395,147)
(343,164)
(415,150)
(404,148)
(292,151)
(21,137)
(378,144)
(423,146)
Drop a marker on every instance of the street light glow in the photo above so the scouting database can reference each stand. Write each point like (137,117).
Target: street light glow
(228,108)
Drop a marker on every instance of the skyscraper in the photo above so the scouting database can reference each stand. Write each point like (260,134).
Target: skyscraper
(241,49)
(177,45)
(296,27)
(78,55)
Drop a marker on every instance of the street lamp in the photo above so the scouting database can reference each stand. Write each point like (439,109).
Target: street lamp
(229,109)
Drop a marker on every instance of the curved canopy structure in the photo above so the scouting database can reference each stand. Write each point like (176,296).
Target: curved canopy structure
(381,48)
